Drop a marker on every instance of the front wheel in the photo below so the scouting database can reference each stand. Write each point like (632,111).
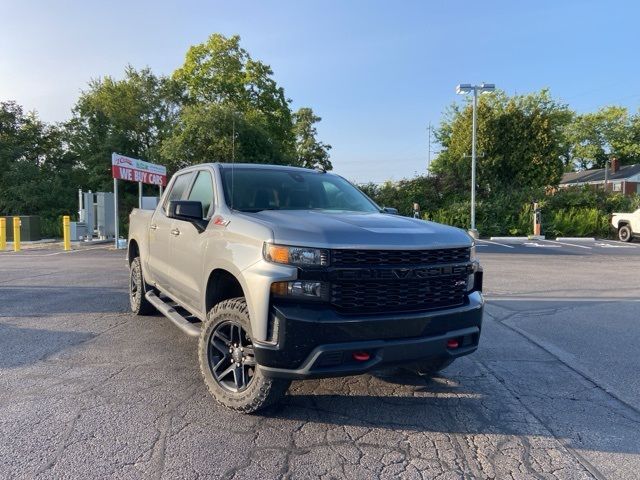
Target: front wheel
(624,233)
(228,364)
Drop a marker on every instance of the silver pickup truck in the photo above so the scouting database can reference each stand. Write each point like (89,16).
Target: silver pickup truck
(288,273)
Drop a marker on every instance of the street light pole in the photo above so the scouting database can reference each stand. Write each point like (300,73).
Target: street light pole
(474,232)
(463,89)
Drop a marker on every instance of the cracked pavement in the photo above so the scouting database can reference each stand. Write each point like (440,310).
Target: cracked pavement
(88,390)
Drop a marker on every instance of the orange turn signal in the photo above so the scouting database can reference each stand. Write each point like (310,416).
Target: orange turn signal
(278,253)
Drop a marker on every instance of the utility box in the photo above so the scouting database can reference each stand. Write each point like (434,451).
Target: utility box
(97,212)
(78,231)
(29,228)
(105,215)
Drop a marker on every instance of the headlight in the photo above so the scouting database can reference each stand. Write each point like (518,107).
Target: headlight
(473,282)
(297,256)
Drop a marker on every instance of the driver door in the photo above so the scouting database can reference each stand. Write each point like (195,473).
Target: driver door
(159,261)
(189,246)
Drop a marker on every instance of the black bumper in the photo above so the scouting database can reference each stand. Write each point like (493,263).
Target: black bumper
(315,341)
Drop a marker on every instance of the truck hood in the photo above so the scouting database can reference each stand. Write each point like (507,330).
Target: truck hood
(331,229)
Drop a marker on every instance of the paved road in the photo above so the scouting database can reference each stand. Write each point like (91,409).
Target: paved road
(87,390)
(559,247)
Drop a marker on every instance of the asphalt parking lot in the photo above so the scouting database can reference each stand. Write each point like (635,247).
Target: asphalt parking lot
(559,247)
(90,391)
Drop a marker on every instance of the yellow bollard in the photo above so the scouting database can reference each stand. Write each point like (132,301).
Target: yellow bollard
(3,234)
(16,234)
(66,232)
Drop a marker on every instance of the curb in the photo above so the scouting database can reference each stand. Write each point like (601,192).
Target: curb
(506,239)
(575,239)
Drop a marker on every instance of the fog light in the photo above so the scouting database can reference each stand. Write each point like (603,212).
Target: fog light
(298,288)
(305,289)
(471,282)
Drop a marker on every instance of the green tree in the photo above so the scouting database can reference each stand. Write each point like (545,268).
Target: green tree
(611,131)
(310,152)
(37,173)
(428,192)
(219,71)
(217,133)
(522,144)
(131,116)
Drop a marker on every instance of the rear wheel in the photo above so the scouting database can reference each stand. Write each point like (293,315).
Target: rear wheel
(137,290)
(430,367)
(228,364)
(624,233)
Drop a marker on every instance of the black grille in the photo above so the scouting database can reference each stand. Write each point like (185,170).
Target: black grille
(399,296)
(341,258)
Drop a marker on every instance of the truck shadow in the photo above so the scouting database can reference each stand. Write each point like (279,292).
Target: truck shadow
(21,346)
(18,301)
(464,406)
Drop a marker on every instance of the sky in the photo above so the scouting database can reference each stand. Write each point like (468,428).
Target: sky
(377,72)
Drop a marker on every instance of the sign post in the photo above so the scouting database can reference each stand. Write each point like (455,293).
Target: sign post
(115,210)
(134,170)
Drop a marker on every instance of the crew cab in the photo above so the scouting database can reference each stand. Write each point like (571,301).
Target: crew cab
(627,225)
(288,273)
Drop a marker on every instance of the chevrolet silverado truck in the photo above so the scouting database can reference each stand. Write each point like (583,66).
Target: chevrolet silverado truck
(288,273)
(627,225)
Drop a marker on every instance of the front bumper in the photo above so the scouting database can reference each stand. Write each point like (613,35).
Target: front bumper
(315,341)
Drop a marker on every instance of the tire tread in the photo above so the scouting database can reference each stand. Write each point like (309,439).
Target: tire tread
(267,393)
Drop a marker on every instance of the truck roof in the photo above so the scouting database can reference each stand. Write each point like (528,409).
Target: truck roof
(263,166)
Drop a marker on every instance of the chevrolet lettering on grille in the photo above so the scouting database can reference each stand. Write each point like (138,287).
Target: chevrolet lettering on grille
(398,273)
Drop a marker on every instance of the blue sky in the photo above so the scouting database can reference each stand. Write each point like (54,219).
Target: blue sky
(376,72)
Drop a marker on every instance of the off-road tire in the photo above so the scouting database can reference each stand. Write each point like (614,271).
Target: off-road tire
(261,391)
(625,234)
(430,367)
(137,289)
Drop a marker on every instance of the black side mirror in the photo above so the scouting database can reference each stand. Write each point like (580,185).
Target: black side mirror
(390,210)
(189,211)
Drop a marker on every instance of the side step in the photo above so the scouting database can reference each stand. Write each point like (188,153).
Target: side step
(168,311)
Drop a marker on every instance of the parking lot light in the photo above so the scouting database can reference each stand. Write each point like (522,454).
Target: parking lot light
(463,89)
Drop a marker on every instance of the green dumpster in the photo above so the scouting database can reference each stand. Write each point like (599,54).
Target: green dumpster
(29,229)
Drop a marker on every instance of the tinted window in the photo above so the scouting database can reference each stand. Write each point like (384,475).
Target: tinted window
(179,187)
(255,189)
(202,191)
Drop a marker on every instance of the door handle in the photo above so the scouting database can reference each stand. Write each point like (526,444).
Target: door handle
(153,227)
(175,232)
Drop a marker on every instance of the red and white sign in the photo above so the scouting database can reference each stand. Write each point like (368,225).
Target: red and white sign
(134,170)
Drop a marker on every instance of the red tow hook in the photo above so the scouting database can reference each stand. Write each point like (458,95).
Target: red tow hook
(453,343)
(360,356)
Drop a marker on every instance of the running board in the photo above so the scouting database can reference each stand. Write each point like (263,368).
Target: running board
(168,311)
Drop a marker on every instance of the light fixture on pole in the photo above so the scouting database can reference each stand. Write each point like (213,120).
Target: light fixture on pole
(463,89)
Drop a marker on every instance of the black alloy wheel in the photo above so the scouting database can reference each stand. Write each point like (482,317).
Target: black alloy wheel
(231,357)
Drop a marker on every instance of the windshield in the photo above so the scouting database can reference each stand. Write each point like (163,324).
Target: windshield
(256,189)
